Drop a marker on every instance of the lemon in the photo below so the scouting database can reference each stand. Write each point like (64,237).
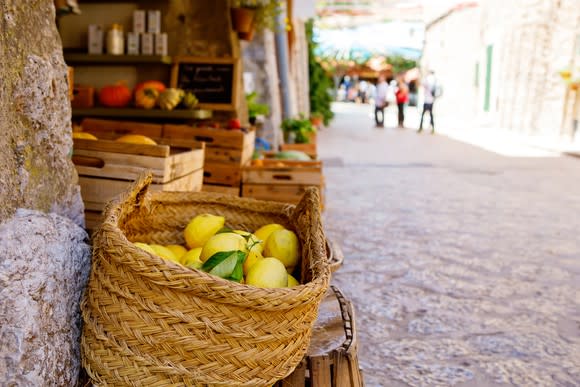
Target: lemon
(201,228)
(283,244)
(227,241)
(264,232)
(292,281)
(145,246)
(136,139)
(254,244)
(177,250)
(84,136)
(268,273)
(164,252)
(251,259)
(191,258)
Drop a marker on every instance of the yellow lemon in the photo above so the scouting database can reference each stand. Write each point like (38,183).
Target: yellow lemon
(84,136)
(254,244)
(292,281)
(251,259)
(164,252)
(145,246)
(178,250)
(268,273)
(283,244)
(201,228)
(264,232)
(136,139)
(227,241)
(191,258)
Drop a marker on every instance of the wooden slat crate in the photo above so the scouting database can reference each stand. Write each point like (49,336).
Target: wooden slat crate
(227,151)
(111,129)
(107,168)
(309,149)
(326,363)
(281,180)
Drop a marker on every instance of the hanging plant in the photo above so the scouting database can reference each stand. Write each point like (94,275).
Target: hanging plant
(264,12)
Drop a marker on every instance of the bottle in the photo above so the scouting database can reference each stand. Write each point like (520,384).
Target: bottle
(115,40)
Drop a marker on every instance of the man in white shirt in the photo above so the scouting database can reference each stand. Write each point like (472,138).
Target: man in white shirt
(430,93)
(381,101)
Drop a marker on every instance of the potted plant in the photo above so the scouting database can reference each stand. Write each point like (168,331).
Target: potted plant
(255,109)
(297,130)
(263,13)
(316,119)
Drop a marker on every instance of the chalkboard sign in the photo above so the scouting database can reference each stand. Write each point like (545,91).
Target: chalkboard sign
(214,81)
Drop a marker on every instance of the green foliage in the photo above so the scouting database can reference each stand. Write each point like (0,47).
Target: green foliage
(320,83)
(265,12)
(301,128)
(401,64)
(256,108)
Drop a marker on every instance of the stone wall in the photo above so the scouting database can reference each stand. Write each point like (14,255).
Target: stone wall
(35,167)
(531,39)
(299,69)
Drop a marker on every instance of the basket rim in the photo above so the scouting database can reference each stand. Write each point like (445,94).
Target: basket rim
(182,278)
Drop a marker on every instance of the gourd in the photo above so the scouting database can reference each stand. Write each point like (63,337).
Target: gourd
(189,100)
(170,98)
(157,85)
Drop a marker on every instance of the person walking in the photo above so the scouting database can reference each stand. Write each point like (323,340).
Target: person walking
(402,95)
(381,101)
(430,92)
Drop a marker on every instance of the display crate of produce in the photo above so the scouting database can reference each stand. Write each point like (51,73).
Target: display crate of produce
(111,129)
(107,168)
(227,151)
(309,149)
(332,358)
(281,180)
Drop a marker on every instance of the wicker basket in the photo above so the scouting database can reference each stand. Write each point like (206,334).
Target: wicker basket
(150,322)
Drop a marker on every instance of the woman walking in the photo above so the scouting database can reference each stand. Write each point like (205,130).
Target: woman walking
(402,95)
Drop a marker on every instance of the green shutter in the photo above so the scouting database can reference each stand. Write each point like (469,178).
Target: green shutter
(489,54)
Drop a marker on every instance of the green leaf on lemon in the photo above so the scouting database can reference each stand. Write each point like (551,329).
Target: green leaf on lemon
(223,263)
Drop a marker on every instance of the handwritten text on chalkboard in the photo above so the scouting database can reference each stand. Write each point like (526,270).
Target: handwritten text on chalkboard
(211,83)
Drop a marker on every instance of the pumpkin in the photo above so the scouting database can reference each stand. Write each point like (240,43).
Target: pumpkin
(157,85)
(146,98)
(117,95)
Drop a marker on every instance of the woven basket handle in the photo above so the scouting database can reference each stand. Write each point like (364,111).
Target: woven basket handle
(136,197)
(307,212)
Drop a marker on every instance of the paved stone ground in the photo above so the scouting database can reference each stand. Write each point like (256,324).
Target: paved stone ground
(463,265)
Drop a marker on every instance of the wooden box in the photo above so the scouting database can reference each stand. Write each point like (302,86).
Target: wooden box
(226,152)
(83,97)
(332,358)
(281,180)
(107,168)
(222,146)
(309,149)
(111,129)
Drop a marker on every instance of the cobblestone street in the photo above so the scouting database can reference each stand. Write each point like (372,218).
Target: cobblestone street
(463,265)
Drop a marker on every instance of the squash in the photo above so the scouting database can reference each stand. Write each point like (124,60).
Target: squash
(189,100)
(157,85)
(136,139)
(170,98)
(146,98)
(117,95)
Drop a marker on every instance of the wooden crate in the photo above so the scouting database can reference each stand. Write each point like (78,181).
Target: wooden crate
(223,189)
(223,146)
(111,129)
(108,168)
(281,180)
(326,363)
(309,149)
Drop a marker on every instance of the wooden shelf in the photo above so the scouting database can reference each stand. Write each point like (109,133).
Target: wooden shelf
(178,114)
(87,59)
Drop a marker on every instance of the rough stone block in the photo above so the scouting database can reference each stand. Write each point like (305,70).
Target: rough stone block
(44,267)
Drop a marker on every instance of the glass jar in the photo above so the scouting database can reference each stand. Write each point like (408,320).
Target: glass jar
(115,40)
